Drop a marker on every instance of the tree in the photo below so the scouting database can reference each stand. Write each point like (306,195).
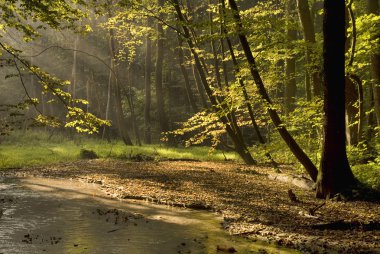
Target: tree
(289,140)
(162,118)
(335,174)
(290,62)
(309,35)
(148,95)
(29,18)
(231,127)
(373,8)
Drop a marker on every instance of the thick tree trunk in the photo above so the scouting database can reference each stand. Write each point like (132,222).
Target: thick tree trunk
(292,144)
(148,98)
(240,147)
(159,64)
(335,174)
(309,35)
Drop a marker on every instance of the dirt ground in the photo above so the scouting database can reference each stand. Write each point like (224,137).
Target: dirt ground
(252,202)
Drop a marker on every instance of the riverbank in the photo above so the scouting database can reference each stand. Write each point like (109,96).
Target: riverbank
(252,204)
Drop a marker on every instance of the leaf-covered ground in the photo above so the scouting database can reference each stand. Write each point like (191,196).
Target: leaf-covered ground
(252,204)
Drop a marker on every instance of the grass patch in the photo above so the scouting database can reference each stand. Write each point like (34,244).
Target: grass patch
(41,148)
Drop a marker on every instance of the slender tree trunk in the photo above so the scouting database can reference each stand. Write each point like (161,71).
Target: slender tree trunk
(292,144)
(162,118)
(148,100)
(189,92)
(307,85)
(240,147)
(335,174)
(309,35)
(213,49)
(131,103)
(200,89)
(290,62)
(108,103)
(74,68)
(373,7)
(241,82)
(89,84)
(121,123)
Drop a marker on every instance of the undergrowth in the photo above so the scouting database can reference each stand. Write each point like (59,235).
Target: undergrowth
(22,149)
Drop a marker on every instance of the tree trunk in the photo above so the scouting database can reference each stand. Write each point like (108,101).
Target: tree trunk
(148,100)
(335,174)
(292,144)
(74,69)
(200,89)
(240,147)
(241,82)
(131,103)
(309,35)
(162,118)
(108,103)
(189,92)
(121,123)
(290,62)
(373,7)
(213,49)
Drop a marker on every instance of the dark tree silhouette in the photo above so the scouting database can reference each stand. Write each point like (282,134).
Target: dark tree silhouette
(335,174)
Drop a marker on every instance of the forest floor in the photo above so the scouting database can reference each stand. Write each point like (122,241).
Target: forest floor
(252,203)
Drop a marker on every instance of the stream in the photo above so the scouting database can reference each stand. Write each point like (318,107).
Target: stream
(42,215)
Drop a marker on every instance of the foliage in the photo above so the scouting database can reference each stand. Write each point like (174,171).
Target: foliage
(369,174)
(28,16)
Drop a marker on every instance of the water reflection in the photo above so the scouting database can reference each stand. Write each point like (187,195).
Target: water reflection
(60,216)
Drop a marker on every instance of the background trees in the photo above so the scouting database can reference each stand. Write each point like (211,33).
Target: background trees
(193,72)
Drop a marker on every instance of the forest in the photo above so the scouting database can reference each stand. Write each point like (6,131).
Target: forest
(265,112)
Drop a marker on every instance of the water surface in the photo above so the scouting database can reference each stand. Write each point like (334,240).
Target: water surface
(42,215)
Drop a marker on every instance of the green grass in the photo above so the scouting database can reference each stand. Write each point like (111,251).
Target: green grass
(39,148)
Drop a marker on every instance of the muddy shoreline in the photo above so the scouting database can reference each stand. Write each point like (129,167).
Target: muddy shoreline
(251,204)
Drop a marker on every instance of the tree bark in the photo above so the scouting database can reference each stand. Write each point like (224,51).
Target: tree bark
(292,144)
(335,174)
